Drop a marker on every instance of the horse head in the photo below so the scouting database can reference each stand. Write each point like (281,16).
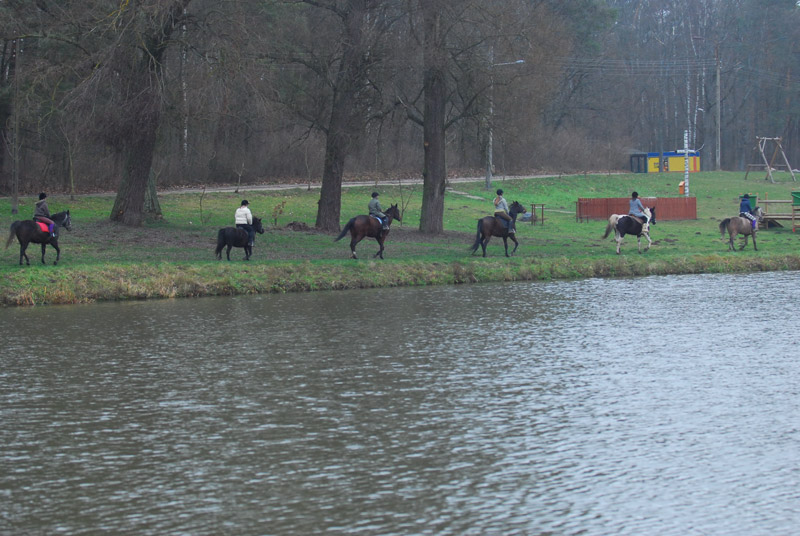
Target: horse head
(516,208)
(257,225)
(63,219)
(758,212)
(394,212)
(651,214)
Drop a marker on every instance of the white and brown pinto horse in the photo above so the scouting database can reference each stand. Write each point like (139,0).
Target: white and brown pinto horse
(623,224)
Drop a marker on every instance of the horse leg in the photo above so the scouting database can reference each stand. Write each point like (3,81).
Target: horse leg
(639,243)
(618,237)
(22,248)
(649,242)
(380,251)
(516,243)
(58,252)
(505,245)
(744,243)
(353,243)
(247,252)
(44,247)
(484,243)
(731,247)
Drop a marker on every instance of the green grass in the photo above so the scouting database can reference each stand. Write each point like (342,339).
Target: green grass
(174,257)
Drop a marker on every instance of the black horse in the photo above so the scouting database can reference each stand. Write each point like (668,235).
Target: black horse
(234,237)
(28,231)
(363,226)
(624,224)
(490,226)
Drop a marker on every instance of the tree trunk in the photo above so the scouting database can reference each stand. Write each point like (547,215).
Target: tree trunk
(129,204)
(330,197)
(434,172)
(345,122)
(143,109)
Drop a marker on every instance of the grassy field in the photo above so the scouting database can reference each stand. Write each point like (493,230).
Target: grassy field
(175,257)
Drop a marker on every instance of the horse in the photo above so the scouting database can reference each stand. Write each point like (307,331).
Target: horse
(237,237)
(490,226)
(741,225)
(368,226)
(623,224)
(28,231)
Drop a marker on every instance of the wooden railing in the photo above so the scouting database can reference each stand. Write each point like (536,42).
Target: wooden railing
(667,208)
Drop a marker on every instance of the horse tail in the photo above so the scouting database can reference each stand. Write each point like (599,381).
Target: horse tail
(477,237)
(345,230)
(11,234)
(724,225)
(220,241)
(612,221)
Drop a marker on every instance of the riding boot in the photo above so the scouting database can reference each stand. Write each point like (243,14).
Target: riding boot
(52,230)
(753,224)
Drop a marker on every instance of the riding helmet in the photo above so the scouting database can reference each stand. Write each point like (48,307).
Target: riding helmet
(42,196)
(499,192)
(635,195)
(746,196)
(245,202)
(374,194)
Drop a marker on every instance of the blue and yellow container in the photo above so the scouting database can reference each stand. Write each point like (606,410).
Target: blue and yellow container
(672,161)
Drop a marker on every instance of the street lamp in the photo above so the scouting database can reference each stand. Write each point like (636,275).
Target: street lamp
(489,142)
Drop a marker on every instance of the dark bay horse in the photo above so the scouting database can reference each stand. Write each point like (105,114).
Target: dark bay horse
(234,237)
(740,225)
(623,224)
(490,226)
(28,231)
(366,226)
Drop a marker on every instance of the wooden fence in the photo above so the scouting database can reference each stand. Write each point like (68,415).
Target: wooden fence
(667,208)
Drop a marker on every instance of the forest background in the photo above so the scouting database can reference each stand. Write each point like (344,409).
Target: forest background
(128,96)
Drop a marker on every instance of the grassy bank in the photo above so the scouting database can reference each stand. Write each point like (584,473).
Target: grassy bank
(174,257)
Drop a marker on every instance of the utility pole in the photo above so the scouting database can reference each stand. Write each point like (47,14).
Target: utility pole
(718,113)
(489,133)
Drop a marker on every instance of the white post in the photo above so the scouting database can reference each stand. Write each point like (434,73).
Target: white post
(686,162)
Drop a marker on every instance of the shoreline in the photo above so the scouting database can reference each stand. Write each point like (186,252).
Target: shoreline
(116,282)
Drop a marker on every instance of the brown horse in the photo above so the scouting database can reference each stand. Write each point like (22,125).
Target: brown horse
(490,226)
(741,226)
(368,226)
(28,231)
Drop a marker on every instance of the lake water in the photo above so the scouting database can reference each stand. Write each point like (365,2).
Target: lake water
(659,405)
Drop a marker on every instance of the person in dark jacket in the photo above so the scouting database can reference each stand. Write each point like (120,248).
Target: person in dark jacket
(42,213)
(375,210)
(745,210)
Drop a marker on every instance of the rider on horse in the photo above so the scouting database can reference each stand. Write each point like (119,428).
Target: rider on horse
(745,210)
(42,213)
(637,209)
(376,211)
(501,211)
(244,220)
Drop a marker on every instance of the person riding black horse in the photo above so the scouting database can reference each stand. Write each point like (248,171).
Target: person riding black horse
(501,211)
(746,210)
(376,211)
(42,213)
(244,220)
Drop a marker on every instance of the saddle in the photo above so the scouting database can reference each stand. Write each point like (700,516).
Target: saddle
(637,219)
(505,223)
(43,227)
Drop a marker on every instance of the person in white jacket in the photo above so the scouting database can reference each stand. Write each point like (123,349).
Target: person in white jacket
(244,220)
